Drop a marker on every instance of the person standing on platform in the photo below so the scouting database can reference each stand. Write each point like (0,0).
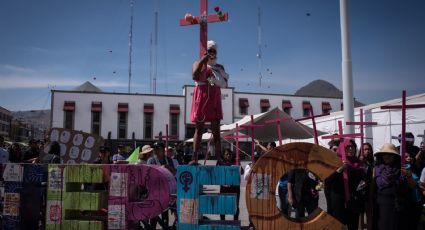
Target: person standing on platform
(209,77)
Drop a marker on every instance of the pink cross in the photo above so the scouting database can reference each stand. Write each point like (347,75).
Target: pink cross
(278,120)
(403,108)
(252,126)
(237,137)
(203,21)
(313,120)
(362,124)
(166,137)
(341,149)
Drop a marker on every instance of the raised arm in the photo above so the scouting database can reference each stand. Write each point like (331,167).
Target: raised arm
(197,67)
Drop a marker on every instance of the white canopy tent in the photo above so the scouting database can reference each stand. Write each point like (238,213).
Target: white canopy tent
(389,122)
(290,129)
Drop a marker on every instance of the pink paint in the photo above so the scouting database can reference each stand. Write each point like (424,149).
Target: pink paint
(341,150)
(166,137)
(361,124)
(403,108)
(252,126)
(237,137)
(313,121)
(278,120)
(138,192)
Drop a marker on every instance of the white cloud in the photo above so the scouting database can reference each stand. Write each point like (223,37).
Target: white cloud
(16,77)
(11,69)
(21,82)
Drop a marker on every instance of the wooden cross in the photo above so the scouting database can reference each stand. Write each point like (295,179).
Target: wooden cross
(203,19)
(362,124)
(341,149)
(278,120)
(313,120)
(403,108)
(237,137)
(166,137)
(252,126)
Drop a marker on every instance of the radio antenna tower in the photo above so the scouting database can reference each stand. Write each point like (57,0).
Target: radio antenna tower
(150,65)
(130,44)
(259,54)
(155,49)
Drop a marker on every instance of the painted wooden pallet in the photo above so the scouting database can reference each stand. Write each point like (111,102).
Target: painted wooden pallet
(192,204)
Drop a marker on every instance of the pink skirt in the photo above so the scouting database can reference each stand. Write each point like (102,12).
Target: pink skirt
(206,104)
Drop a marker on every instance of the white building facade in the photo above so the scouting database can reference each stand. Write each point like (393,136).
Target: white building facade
(143,116)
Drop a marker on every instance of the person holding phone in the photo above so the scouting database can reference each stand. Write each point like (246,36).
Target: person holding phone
(209,77)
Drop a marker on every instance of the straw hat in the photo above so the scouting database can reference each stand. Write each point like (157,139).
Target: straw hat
(388,148)
(146,149)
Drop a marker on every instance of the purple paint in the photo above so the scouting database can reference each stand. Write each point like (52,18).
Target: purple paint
(138,192)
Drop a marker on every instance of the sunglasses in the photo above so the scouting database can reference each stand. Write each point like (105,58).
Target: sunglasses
(213,51)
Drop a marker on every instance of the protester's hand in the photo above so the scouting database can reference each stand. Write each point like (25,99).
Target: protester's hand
(205,58)
(35,160)
(419,155)
(290,200)
(406,172)
(343,167)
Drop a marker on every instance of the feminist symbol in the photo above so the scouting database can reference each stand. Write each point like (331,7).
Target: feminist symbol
(186,179)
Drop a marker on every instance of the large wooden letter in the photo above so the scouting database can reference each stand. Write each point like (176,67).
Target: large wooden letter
(138,192)
(260,189)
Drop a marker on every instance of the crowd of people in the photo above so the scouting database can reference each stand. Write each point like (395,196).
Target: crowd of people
(382,193)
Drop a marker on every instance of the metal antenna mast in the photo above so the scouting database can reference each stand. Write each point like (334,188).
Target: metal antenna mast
(130,44)
(150,66)
(155,50)
(259,54)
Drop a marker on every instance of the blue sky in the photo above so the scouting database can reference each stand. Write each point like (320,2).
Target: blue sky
(62,44)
